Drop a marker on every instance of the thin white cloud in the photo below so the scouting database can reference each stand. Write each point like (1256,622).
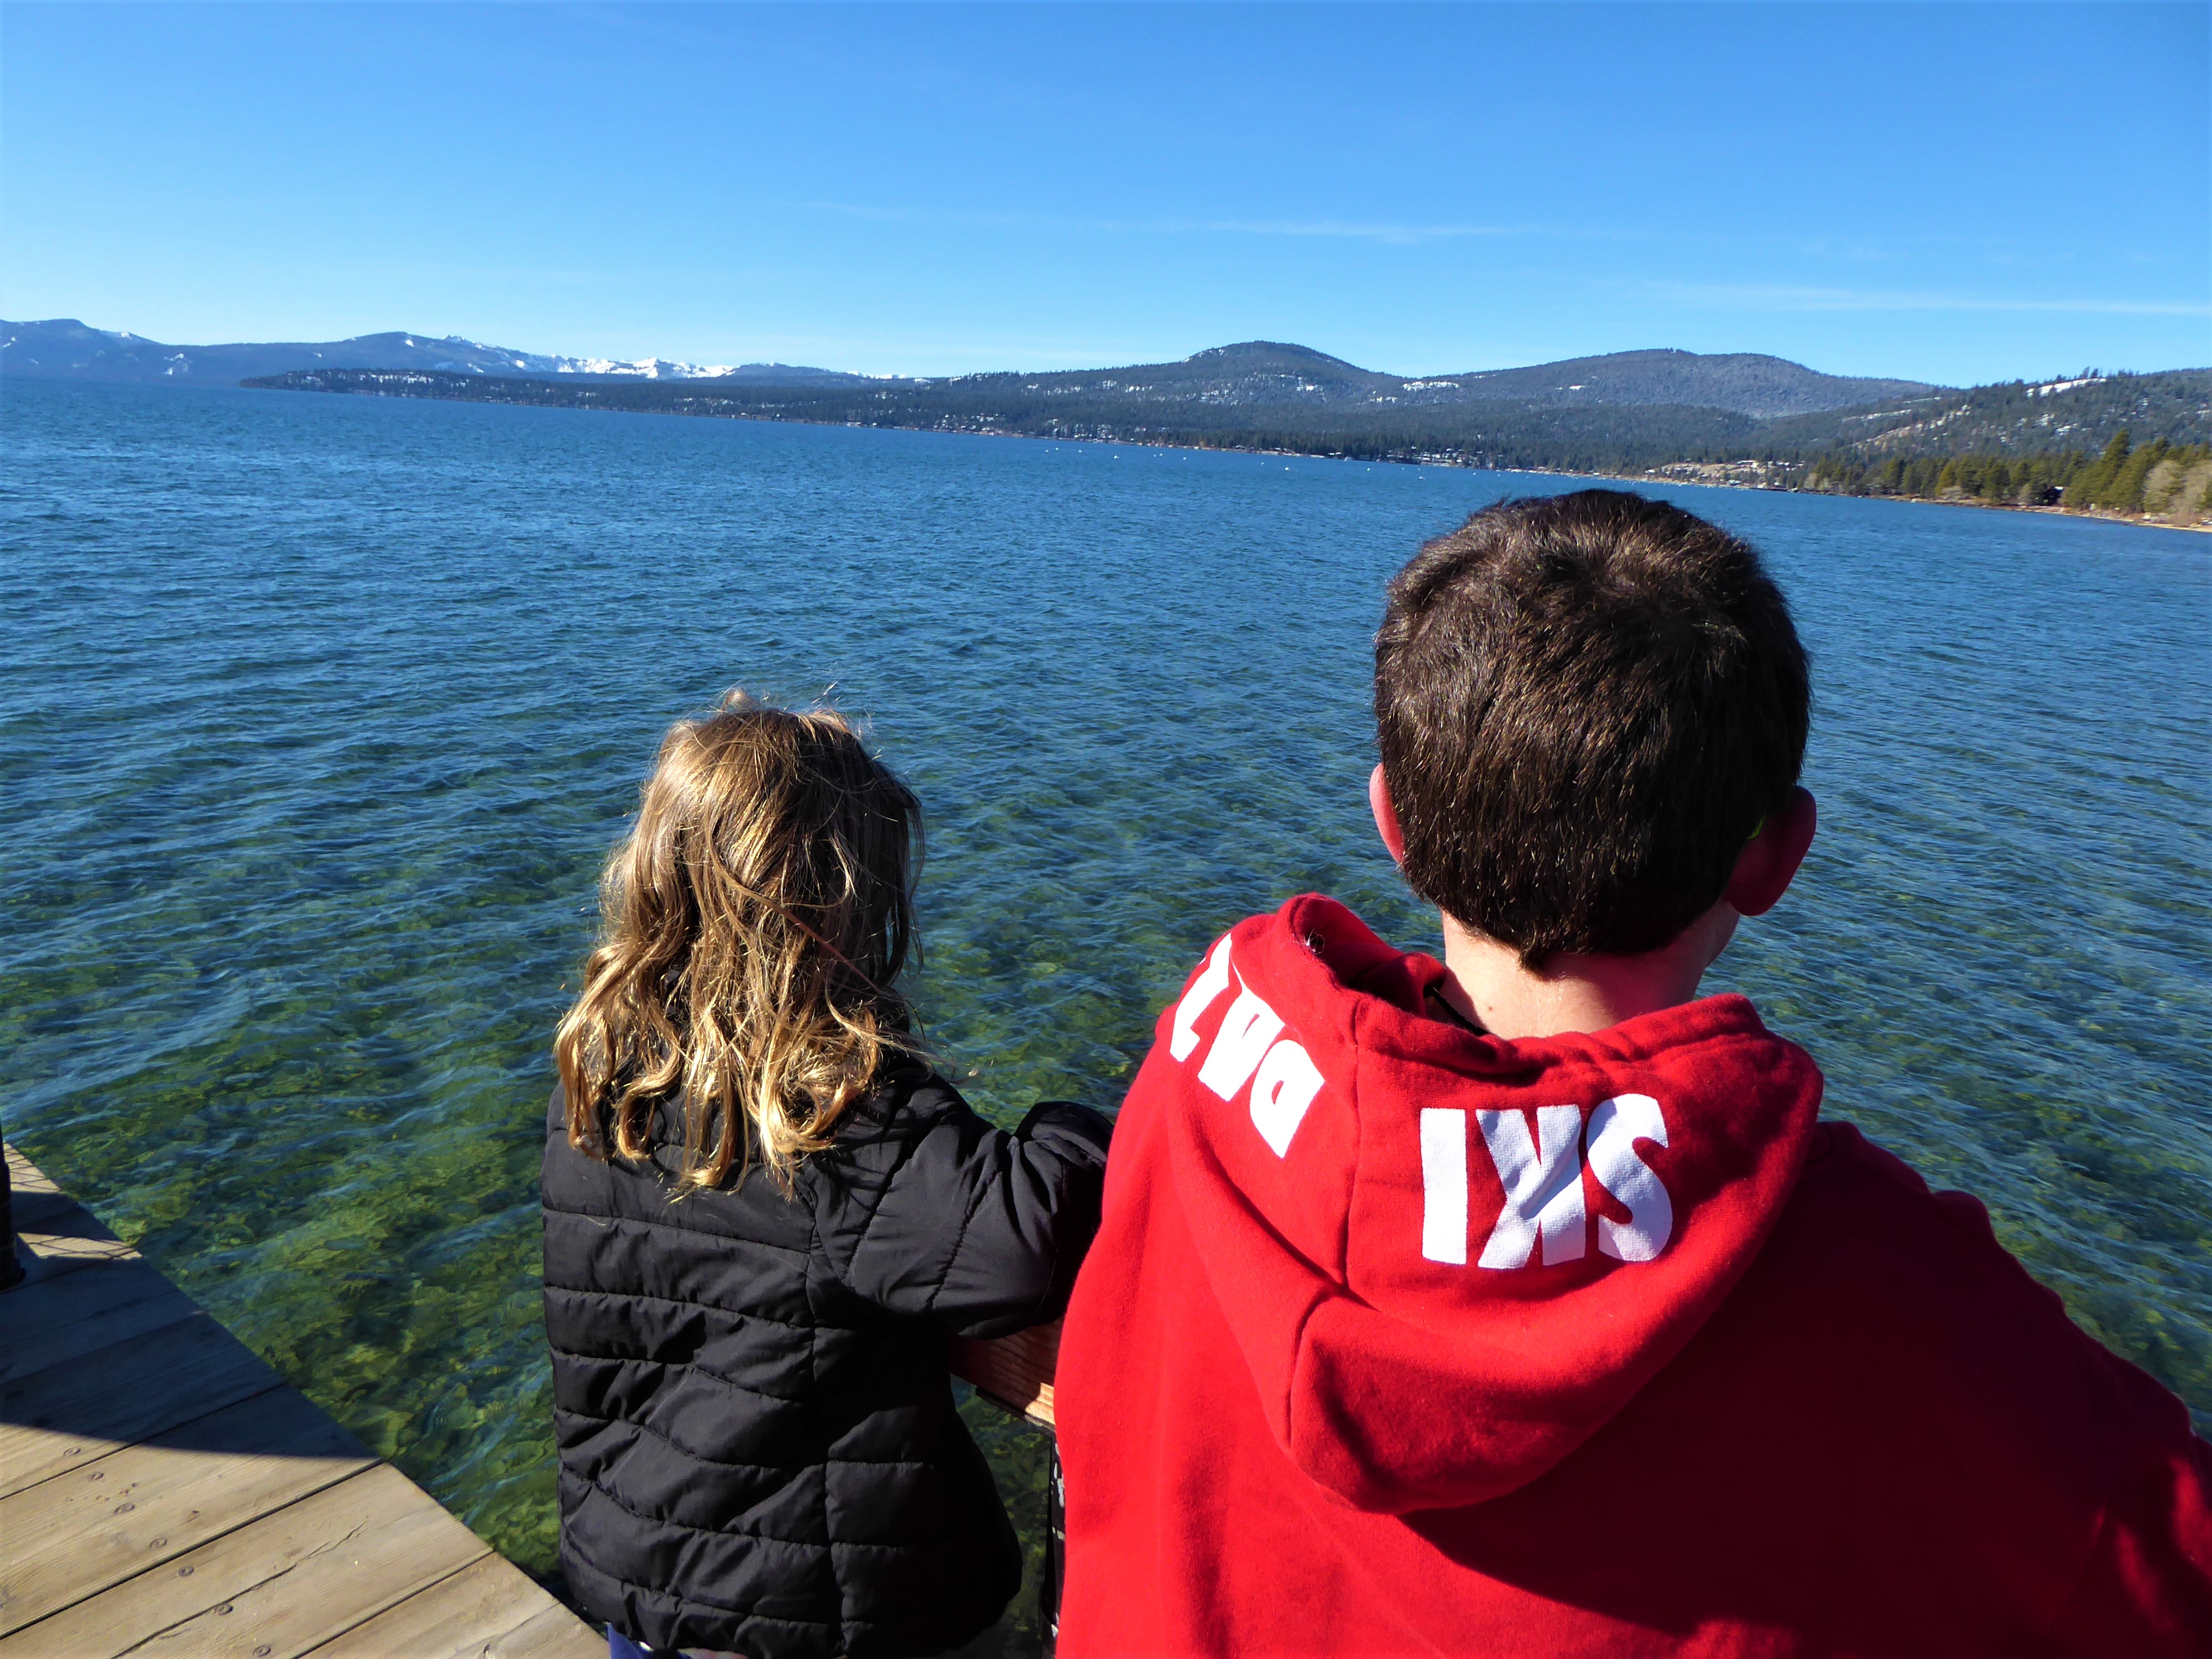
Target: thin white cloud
(1349,229)
(1372,232)
(1783,297)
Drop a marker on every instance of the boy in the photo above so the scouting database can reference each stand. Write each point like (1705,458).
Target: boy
(1518,1303)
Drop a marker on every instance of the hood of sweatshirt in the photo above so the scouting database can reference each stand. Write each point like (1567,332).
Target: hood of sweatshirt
(1447,1258)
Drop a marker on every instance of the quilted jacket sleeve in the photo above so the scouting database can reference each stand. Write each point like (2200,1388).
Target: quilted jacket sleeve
(931,1213)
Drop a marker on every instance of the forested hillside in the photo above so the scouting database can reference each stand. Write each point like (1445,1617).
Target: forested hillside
(1766,387)
(2015,418)
(2073,443)
(1265,374)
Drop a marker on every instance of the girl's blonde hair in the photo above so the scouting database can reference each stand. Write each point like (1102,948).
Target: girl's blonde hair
(752,925)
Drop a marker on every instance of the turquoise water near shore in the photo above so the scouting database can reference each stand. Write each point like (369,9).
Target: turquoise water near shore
(321,714)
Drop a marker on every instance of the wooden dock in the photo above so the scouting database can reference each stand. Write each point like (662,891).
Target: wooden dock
(164,1492)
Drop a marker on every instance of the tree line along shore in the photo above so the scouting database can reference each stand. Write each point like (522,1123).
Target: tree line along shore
(2167,482)
(2156,482)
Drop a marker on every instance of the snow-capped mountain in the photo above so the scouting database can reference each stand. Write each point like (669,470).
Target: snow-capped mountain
(66,350)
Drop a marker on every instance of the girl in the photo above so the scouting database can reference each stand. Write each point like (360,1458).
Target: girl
(764,1213)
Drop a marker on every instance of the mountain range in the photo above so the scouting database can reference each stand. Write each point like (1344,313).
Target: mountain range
(1259,374)
(1626,410)
(1255,373)
(64,348)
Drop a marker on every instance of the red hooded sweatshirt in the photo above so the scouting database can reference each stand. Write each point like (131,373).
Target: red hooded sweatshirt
(1401,1338)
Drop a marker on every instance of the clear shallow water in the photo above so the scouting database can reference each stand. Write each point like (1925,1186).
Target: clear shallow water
(321,713)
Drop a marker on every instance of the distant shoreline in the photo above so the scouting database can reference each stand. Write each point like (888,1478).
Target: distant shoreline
(1703,475)
(2141,521)
(1654,476)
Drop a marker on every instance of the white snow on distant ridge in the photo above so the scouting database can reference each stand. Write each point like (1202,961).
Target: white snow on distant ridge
(652,368)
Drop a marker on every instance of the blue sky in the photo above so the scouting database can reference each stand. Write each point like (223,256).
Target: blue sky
(1958,192)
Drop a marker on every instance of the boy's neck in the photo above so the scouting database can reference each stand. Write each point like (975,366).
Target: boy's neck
(1486,983)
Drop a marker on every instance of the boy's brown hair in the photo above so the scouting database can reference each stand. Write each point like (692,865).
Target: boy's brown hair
(1587,704)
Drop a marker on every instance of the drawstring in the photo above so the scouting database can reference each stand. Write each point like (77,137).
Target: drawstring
(1055,1552)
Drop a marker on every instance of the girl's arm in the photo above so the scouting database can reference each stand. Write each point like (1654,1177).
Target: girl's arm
(936,1214)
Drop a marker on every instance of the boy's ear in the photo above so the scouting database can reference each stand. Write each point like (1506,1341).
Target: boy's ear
(1769,861)
(1386,815)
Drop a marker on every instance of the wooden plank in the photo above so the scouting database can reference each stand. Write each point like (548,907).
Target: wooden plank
(32,1198)
(35,1310)
(56,1234)
(552,1633)
(51,1255)
(1014,1372)
(489,1610)
(55,1320)
(30,1205)
(25,1176)
(275,1589)
(64,1416)
(78,1534)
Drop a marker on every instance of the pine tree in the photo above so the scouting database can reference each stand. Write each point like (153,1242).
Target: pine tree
(2125,491)
(2089,485)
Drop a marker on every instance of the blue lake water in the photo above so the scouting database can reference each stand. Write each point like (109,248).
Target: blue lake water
(321,713)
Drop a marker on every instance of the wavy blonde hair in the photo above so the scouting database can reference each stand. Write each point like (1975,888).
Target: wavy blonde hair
(752,925)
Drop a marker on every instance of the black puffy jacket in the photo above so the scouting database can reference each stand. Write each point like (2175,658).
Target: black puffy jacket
(759,1449)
